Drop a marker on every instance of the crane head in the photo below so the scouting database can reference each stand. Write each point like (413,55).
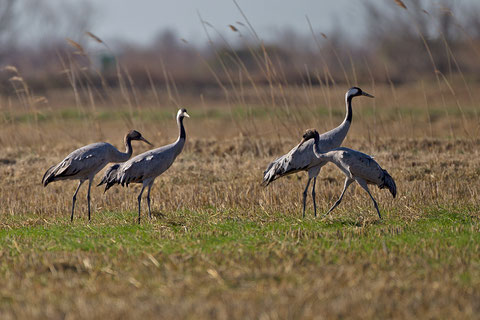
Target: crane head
(355,92)
(135,135)
(182,113)
(309,134)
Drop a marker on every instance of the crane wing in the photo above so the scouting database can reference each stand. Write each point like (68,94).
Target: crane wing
(83,161)
(297,159)
(146,165)
(363,166)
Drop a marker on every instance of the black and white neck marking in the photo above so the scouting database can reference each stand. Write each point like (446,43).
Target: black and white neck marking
(181,114)
(352,92)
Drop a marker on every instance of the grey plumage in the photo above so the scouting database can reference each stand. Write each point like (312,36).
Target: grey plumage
(302,158)
(145,167)
(109,176)
(84,163)
(356,166)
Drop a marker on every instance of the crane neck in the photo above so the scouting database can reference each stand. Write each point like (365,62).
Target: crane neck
(182,134)
(316,150)
(128,146)
(124,156)
(348,106)
(338,134)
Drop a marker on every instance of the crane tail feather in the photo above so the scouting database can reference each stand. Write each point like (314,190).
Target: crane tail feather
(278,168)
(110,177)
(389,183)
(48,176)
(272,172)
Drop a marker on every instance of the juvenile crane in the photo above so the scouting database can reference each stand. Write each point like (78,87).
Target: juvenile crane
(146,167)
(302,158)
(85,162)
(356,166)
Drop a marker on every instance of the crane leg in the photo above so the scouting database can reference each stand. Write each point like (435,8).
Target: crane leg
(148,200)
(74,199)
(88,196)
(139,201)
(348,181)
(313,196)
(305,196)
(364,185)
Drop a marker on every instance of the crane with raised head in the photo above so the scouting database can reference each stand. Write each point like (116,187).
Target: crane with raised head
(146,167)
(302,158)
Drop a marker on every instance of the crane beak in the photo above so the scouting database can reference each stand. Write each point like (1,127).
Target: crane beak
(367,94)
(302,142)
(186,115)
(145,140)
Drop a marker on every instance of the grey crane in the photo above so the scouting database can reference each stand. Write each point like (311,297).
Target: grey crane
(302,158)
(356,166)
(84,163)
(146,167)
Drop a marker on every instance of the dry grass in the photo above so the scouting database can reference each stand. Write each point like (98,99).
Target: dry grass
(220,245)
(228,149)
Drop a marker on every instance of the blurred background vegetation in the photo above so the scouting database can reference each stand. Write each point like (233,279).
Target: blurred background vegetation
(425,40)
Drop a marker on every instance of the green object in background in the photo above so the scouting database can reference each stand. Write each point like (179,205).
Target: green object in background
(107,62)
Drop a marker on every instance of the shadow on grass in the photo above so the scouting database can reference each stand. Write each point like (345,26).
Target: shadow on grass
(158,214)
(175,222)
(350,222)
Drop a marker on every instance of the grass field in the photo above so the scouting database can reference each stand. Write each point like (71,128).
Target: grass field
(222,246)
(217,264)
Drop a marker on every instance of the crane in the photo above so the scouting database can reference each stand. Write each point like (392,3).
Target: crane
(84,163)
(146,167)
(302,158)
(356,166)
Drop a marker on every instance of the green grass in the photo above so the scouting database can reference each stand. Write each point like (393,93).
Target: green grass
(238,112)
(187,261)
(189,232)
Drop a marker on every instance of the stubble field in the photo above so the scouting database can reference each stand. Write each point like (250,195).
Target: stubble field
(222,246)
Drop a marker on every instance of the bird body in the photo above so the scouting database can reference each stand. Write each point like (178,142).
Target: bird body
(149,165)
(146,167)
(356,166)
(84,163)
(302,157)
